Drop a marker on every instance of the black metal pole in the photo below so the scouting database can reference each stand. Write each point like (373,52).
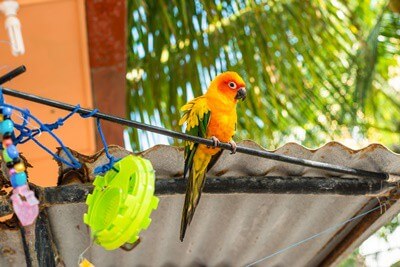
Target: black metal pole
(12,74)
(208,142)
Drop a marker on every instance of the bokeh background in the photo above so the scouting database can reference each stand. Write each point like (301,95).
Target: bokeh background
(316,71)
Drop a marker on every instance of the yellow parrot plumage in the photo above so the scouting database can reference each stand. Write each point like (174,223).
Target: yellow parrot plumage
(212,115)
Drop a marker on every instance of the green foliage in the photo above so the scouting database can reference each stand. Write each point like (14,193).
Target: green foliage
(354,260)
(397,264)
(389,228)
(315,70)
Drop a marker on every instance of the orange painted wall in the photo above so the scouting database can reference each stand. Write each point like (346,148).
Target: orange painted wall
(56,58)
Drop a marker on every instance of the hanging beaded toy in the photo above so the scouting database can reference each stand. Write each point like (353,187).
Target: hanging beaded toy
(25,204)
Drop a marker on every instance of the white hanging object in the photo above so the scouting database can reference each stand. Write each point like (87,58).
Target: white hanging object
(13,26)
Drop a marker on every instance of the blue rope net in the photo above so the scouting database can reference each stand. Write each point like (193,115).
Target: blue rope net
(26,134)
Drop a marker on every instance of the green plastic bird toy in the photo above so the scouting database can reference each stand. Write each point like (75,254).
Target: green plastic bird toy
(121,203)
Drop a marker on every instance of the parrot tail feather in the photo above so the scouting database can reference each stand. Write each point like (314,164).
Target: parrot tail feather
(193,193)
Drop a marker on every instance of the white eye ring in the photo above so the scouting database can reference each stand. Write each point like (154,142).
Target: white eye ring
(232,85)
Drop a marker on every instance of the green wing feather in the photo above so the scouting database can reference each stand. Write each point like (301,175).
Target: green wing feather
(197,117)
(190,148)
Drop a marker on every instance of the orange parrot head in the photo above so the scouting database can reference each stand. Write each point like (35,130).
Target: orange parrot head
(228,84)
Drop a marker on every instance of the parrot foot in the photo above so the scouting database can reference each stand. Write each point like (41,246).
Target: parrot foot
(215,142)
(234,146)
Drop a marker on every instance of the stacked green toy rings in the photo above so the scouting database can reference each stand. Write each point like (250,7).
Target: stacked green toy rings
(121,202)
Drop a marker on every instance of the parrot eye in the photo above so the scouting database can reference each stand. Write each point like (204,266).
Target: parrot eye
(232,85)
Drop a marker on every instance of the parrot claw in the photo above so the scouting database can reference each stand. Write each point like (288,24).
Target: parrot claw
(215,142)
(234,146)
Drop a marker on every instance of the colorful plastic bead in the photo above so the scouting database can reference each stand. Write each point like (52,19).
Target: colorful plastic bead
(12,171)
(12,152)
(7,142)
(18,179)
(1,117)
(19,167)
(6,126)
(6,111)
(6,157)
(12,163)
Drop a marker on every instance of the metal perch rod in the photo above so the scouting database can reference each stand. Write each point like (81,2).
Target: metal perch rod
(196,139)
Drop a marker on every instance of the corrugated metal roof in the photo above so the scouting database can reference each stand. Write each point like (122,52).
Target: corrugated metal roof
(235,229)
(228,230)
(168,160)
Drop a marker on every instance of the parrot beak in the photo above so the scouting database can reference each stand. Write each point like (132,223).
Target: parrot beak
(241,93)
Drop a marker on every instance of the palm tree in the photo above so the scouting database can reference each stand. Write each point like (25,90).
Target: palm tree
(316,70)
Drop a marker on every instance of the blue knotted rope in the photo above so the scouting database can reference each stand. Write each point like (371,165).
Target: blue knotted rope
(29,134)
(26,134)
(111,159)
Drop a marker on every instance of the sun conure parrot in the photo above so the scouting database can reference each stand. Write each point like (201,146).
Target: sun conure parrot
(212,115)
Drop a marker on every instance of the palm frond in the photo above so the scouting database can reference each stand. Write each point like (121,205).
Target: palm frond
(311,67)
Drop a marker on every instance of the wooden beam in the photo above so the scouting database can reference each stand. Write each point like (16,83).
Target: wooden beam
(46,250)
(76,193)
(279,185)
(39,245)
